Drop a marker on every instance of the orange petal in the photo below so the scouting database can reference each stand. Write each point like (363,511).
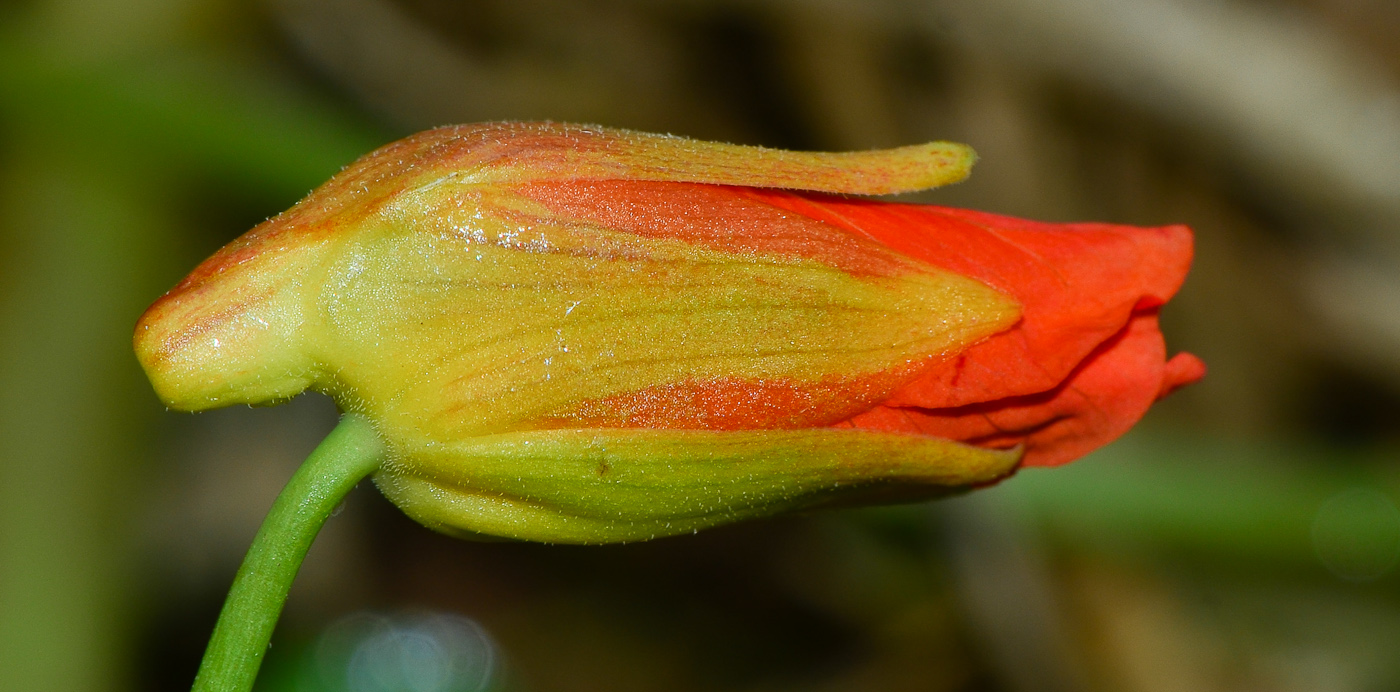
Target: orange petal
(1078,285)
(1098,402)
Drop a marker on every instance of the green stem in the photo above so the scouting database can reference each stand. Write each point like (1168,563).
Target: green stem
(352,451)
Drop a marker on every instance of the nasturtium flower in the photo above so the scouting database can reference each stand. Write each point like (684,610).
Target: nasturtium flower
(577,334)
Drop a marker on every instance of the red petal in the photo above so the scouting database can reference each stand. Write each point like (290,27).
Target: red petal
(1099,401)
(1077,284)
(1087,358)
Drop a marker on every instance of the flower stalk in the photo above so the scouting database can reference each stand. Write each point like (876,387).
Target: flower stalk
(350,453)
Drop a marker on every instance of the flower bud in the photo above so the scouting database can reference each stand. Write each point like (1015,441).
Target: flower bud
(587,335)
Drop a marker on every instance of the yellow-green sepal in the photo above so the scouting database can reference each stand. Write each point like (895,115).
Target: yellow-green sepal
(619,485)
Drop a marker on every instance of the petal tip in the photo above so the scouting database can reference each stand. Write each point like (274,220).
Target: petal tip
(1183,369)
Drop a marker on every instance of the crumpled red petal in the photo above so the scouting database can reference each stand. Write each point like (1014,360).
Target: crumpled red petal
(1099,401)
(1087,358)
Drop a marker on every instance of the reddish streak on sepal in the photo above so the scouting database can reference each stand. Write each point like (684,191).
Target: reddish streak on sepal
(723,218)
(734,404)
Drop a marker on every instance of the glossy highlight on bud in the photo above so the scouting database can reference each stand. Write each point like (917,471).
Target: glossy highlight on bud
(576,334)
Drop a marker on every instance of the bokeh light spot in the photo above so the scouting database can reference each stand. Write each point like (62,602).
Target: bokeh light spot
(421,652)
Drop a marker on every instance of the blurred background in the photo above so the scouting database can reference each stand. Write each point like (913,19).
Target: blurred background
(1244,537)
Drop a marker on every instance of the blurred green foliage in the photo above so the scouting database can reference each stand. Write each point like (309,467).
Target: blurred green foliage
(97,155)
